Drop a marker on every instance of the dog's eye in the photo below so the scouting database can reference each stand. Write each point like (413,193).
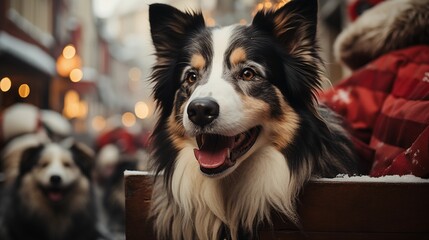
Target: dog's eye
(43,164)
(191,77)
(67,164)
(247,74)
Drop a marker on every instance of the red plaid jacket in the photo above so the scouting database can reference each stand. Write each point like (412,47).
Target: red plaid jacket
(386,108)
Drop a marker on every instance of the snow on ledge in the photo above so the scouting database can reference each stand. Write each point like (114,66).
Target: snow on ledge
(384,179)
(338,178)
(136,173)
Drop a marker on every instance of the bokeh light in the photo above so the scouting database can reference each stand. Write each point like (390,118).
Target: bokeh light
(74,107)
(69,51)
(128,119)
(24,90)
(142,110)
(98,123)
(76,75)
(5,84)
(68,61)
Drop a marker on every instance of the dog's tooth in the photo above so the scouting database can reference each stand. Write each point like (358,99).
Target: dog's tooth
(228,153)
(241,137)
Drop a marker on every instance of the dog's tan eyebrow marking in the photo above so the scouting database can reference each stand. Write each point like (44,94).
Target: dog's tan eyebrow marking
(237,56)
(198,61)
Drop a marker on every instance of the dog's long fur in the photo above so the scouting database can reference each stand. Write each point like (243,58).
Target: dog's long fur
(263,75)
(29,213)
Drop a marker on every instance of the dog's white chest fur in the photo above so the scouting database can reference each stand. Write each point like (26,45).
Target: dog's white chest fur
(241,199)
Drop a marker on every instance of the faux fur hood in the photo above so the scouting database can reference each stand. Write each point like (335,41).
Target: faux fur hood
(389,26)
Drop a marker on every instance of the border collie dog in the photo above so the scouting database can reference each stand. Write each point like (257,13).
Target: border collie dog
(51,198)
(239,130)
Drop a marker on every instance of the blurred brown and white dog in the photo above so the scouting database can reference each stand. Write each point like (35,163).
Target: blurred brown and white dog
(51,197)
(240,130)
(22,126)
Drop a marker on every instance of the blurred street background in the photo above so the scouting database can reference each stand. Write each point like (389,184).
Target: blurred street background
(89,60)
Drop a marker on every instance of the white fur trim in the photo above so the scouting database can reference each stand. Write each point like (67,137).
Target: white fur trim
(19,119)
(56,122)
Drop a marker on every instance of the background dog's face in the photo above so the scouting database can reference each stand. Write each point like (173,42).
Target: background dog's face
(55,170)
(231,89)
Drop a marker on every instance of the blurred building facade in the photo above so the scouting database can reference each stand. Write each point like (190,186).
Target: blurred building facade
(33,37)
(27,45)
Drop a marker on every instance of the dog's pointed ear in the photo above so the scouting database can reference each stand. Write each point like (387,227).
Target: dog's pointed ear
(169,26)
(29,158)
(84,158)
(294,24)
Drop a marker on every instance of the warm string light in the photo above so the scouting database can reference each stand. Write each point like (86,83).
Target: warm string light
(267,4)
(141,110)
(98,123)
(69,64)
(76,75)
(210,22)
(24,90)
(128,119)
(5,84)
(69,51)
(134,75)
(73,106)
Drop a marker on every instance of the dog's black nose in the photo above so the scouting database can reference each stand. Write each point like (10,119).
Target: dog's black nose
(55,180)
(203,111)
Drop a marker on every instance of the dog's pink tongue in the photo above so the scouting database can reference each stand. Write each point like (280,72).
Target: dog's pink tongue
(210,159)
(214,150)
(55,196)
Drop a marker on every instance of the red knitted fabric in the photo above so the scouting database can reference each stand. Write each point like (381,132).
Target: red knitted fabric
(386,106)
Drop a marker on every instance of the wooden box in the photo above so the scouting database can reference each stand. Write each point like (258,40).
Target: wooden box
(329,209)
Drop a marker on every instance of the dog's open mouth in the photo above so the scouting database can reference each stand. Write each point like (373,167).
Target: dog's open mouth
(55,194)
(217,153)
